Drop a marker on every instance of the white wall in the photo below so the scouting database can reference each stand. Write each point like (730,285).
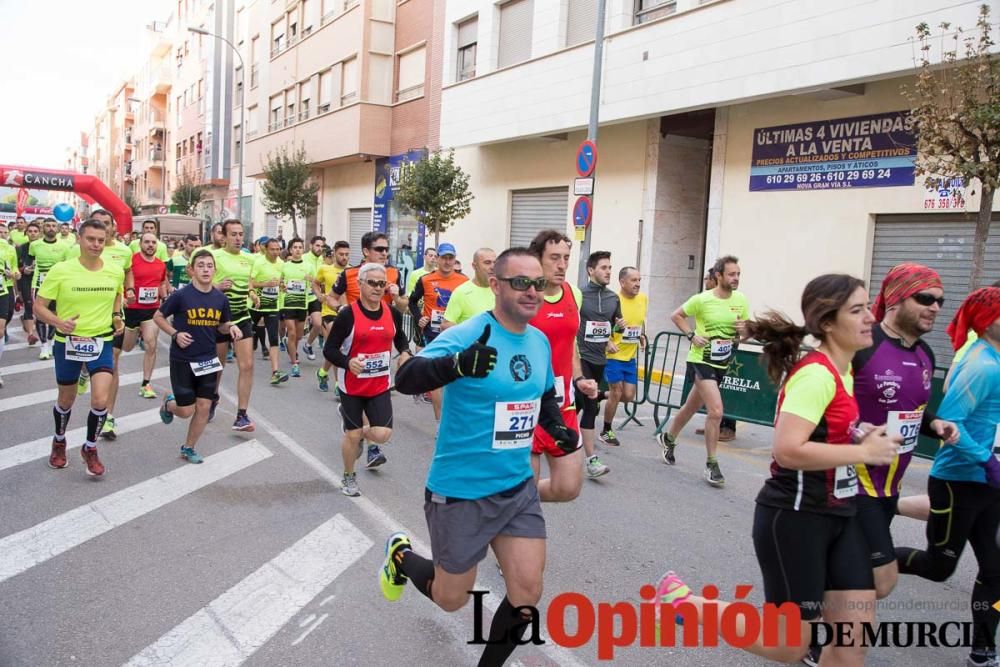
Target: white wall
(720,53)
(344,187)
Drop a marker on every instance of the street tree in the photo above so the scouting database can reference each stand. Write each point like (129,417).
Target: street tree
(188,194)
(288,189)
(132,202)
(956,108)
(435,191)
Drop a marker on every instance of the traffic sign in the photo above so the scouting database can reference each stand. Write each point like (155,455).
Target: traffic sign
(583,186)
(586,158)
(583,209)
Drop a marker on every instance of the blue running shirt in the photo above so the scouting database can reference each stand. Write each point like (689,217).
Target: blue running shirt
(484,442)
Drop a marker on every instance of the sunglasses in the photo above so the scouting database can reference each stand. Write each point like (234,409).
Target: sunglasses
(925,299)
(377,284)
(521,283)
(381,248)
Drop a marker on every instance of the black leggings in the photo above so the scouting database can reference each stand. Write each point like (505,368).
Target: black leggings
(269,326)
(590,406)
(962,512)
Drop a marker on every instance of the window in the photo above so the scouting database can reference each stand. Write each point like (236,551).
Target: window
(411,74)
(239,86)
(325,79)
(648,10)
(275,119)
(237,144)
(349,81)
(252,121)
(253,60)
(278,37)
(239,26)
(201,87)
(310,8)
(289,106)
(467,37)
(179,153)
(515,32)
(329,9)
(305,96)
(293,28)
(581,21)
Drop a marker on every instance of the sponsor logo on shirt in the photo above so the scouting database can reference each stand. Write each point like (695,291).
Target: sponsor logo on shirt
(520,368)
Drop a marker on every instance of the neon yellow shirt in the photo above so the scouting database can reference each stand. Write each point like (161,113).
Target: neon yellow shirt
(634,313)
(715,319)
(119,254)
(18,237)
(327,276)
(810,390)
(66,240)
(415,275)
(88,295)
(8,256)
(47,254)
(297,279)
(236,267)
(264,271)
(971,337)
(467,301)
(313,262)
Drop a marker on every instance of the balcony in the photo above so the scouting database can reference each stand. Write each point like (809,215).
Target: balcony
(161,78)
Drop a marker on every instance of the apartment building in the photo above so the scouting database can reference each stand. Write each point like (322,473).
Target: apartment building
(768,129)
(357,84)
(150,130)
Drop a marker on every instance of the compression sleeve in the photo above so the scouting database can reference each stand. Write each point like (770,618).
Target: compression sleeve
(415,296)
(343,324)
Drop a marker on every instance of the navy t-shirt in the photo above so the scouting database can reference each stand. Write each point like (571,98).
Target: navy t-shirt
(199,314)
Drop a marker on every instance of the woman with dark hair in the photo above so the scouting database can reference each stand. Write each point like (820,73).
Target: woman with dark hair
(809,544)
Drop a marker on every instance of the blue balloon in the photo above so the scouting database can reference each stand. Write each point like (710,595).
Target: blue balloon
(62,212)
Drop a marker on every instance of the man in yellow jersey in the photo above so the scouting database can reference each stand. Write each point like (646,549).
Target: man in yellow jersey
(265,282)
(18,235)
(87,292)
(622,371)
(474,296)
(720,317)
(430,264)
(313,258)
(45,252)
(335,263)
(232,276)
(8,278)
(66,235)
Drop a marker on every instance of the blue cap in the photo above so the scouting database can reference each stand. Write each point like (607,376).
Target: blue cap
(447,249)
(262,240)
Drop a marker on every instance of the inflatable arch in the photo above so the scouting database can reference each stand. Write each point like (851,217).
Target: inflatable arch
(89,188)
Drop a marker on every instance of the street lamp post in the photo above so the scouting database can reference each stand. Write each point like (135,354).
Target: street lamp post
(243,93)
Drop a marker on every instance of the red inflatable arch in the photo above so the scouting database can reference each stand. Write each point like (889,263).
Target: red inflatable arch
(89,188)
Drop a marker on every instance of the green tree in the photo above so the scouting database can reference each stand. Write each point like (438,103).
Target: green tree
(188,195)
(956,106)
(288,189)
(132,202)
(436,191)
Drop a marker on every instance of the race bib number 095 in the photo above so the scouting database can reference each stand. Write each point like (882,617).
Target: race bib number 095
(596,332)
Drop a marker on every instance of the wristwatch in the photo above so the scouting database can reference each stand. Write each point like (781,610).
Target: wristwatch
(689,335)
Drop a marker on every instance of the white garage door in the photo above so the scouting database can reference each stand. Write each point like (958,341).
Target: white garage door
(361,224)
(944,243)
(531,211)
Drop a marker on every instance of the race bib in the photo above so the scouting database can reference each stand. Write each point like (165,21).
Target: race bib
(148,295)
(845,482)
(720,350)
(437,316)
(269,292)
(375,365)
(632,335)
(206,367)
(596,332)
(561,390)
(41,277)
(297,287)
(907,425)
(79,348)
(513,424)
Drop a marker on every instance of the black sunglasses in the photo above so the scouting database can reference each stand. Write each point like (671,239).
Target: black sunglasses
(381,248)
(378,284)
(521,283)
(925,299)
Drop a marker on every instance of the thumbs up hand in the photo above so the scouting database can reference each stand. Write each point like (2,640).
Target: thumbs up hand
(478,359)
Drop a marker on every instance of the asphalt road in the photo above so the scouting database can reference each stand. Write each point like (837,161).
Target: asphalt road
(256,558)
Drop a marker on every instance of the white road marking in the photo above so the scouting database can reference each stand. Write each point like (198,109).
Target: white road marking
(459,629)
(235,625)
(30,547)
(313,627)
(43,365)
(40,448)
(49,395)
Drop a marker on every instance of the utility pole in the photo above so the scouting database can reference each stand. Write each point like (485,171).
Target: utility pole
(595,106)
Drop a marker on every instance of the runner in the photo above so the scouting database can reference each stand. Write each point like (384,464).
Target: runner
(177,264)
(149,274)
(232,276)
(360,345)
(806,534)
(46,252)
(199,314)
(18,235)
(374,248)
(25,286)
(314,259)
(218,237)
(430,264)
(720,316)
(8,276)
(964,482)
(480,489)
(434,290)
(473,296)
(622,372)
(87,293)
(558,318)
(600,315)
(727,427)
(66,235)
(297,278)
(150,227)
(327,275)
(265,281)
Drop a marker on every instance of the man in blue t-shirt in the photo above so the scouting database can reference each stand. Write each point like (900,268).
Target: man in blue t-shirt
(481,493)
(199,312)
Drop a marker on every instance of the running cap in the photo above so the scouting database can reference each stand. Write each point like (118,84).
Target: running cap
(979,310)
(902,282)
(446,249)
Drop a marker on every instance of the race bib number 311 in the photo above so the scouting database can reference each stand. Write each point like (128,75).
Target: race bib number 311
(514,423)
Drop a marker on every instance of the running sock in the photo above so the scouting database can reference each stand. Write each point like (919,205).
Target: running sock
(145,381)
(607,426)
(506,630)
(95,422)
(418,570)
(62,419)
(240,412)
(322,373)
(711,460)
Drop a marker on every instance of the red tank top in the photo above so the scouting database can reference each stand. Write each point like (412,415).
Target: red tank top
(148,277)
(559,322)
(372,341)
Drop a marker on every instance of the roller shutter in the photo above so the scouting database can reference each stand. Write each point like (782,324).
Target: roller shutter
(361,224)
(532,211)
